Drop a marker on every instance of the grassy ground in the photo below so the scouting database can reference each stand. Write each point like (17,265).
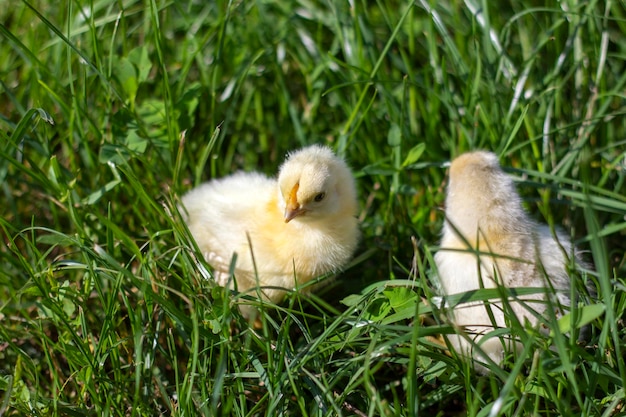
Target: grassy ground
(109,110)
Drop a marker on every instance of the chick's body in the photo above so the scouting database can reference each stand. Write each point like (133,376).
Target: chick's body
(295,228)
(484,214)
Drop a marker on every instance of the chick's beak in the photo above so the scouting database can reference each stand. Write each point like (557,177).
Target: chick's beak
(293,208)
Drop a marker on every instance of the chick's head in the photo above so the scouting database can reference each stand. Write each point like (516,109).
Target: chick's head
(315,184)
(480,194)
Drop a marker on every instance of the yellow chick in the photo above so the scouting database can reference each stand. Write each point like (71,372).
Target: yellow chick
(284,231)
(484,214)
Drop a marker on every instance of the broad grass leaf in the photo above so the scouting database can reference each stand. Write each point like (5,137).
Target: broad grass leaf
(116,154)
(140,59)
(99,193)
(378,169)
(352,300)
(136,143)
(394,137)
(584,316)
(400,296)
(377,310)
(55,239)
(126,75)
(414,154)
(131,145)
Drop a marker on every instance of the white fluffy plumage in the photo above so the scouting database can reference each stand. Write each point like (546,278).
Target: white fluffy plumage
(484,213)
(300,226)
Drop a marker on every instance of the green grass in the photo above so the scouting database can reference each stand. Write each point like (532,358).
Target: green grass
(110,110)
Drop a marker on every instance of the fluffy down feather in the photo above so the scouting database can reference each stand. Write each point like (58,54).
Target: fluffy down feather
(300,226)
(484,213)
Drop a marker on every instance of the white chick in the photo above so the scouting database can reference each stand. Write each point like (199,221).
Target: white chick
(285,232)
(484,213)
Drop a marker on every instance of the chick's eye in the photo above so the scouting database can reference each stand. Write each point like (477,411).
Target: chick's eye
(320,197)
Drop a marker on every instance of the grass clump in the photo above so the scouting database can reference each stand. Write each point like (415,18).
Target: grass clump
(110,110)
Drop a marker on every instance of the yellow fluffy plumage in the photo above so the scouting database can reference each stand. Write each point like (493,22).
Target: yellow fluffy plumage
(484,213)
(300,226)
